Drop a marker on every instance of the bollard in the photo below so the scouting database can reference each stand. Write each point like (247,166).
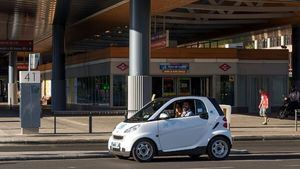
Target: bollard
(90,122)
(54,123)
(10,105)
(296,119)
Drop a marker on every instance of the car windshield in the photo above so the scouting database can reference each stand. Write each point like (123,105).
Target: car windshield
(147,111)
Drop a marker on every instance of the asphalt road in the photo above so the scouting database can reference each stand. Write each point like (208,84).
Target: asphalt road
(242,162)
(263,155)
(250,146)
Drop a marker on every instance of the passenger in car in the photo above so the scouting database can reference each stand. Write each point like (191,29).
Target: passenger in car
(178,110)
(186,110)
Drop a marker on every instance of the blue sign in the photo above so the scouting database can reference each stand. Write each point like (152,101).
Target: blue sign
(174,67)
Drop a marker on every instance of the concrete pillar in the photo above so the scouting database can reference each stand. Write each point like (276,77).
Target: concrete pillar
(12,79)
(58,82)
(139,81)
(282,40)
(268,43)
(296,55)
(255,44)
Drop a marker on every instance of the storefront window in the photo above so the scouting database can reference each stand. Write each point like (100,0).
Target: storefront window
(119,90)
(157,86)
(169,87)
(225,89)
(93,90)
(102,86)
(71,90)
(184,86)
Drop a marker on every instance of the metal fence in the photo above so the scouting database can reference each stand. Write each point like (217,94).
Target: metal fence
(90,115)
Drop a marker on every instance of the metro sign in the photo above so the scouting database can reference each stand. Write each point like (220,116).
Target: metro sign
(225,67)
(122,66)
(16,45)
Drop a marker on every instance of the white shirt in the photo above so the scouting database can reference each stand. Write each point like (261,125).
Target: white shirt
(187,113)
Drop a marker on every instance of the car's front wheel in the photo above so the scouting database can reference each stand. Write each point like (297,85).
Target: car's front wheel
(218,148)
(143,150)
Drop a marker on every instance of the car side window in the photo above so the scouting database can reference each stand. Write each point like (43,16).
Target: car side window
(170,110)
(188,107)
(200,107)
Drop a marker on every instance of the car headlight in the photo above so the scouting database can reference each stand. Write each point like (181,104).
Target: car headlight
(133,128)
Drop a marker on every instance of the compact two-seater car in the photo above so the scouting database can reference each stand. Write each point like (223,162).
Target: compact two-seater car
(156,130)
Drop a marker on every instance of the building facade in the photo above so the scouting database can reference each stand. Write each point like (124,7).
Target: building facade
(232,76)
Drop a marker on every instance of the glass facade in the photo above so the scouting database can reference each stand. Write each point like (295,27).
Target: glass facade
(93,90)
(227,89)
(181,86)
(169,87)
(119,90)
(249,85)
(71,90)
(184,86)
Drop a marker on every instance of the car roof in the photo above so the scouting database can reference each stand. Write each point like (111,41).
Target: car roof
(181,97)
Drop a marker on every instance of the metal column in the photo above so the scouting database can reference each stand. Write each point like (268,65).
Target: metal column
(296,55)
(139,81)
(58,82)
(12,79)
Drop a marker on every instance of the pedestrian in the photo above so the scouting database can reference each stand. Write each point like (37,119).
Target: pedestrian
(263,106)
(178,110)
(294,97)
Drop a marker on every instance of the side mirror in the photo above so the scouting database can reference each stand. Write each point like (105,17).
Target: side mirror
(164,116)
(203,115)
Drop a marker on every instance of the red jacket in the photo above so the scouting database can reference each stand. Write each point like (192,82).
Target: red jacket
(264,102)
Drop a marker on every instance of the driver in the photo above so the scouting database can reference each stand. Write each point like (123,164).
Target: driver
(186,109)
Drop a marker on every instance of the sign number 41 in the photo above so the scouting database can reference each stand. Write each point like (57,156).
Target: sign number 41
(30,77)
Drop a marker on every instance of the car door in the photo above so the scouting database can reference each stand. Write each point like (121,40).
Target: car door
(184,132)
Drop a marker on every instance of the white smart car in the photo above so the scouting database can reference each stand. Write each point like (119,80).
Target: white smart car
(157,129)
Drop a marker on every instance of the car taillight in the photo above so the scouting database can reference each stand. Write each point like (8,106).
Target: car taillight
(225,125)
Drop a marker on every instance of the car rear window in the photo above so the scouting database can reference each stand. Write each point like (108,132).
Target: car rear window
(218,108)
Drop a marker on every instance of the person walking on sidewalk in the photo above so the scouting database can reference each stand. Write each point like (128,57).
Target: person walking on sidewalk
(263,106)
(294,97)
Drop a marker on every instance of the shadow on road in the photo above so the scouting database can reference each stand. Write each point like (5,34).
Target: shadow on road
(242,157)
(265,157)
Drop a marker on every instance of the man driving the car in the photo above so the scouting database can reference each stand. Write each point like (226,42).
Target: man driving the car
(186,110)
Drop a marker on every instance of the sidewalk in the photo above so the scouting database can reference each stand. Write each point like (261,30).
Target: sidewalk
(75,129)
(246,127)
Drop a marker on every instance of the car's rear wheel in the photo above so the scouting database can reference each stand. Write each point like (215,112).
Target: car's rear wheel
(218,148)
(143,150)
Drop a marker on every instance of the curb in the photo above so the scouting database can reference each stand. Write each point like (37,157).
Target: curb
(59,141)
(54,157)
(237,152)
(265,138)
(105,140)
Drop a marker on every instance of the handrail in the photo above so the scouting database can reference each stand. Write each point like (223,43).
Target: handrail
(94,113)
(90,114)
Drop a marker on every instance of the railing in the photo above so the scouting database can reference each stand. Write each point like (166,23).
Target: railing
(297,114)
(90,115)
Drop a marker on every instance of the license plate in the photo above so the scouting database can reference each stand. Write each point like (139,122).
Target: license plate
(115,145)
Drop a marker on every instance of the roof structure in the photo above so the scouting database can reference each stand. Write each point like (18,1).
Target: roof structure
(96,24)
